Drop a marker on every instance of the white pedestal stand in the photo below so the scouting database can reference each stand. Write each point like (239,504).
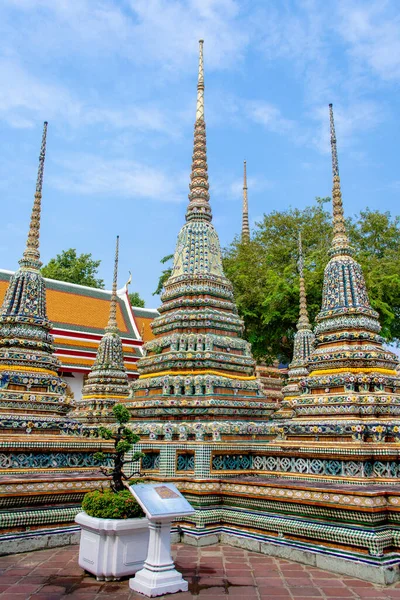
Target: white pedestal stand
(158,575)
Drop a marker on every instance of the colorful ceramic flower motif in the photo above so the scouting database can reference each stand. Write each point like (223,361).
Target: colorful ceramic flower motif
(107,382)
(198,352)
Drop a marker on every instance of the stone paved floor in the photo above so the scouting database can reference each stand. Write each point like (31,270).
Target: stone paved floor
(215,573)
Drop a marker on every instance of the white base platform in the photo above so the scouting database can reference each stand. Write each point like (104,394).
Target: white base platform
(158,575)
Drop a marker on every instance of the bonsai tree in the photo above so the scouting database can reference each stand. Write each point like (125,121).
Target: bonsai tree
(124,439)
(117,502)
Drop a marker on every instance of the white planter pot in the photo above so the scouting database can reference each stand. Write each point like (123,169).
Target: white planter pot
(112,548)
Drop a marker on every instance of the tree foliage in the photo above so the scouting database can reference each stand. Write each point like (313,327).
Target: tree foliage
(124,440)
(68,266)
(265,279)
(165,274)
(136,300)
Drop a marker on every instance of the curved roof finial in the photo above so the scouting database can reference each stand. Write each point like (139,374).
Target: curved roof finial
(31,256)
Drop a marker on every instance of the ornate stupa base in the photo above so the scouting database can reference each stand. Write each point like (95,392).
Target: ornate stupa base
(351,530)
(43,478)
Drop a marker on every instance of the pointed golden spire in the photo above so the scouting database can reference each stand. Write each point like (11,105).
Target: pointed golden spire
(31,256)
(303,322)
(340,242)
(199,206)
(112,321)
(245,214)
(200,85)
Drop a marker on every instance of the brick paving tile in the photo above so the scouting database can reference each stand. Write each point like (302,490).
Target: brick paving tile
(305,591)
(244,592)
(241,580)
(24,588)
(9,596)
(357,583)
(374,594)
(214,573)
(212,592)
(212,580)
(274,591)
(338,592)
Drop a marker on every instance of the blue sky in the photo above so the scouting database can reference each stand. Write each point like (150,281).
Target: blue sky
(117,82)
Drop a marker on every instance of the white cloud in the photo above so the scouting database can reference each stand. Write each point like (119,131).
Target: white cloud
(144,31)
(95,175)
(268,115)
(26,99)
(372,31)
(350,122)
(254,184)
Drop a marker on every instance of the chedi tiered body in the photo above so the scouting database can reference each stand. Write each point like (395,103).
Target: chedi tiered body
(39,442)
(33,397)
(107,383)
(352,387)
(198,368)
(198,375)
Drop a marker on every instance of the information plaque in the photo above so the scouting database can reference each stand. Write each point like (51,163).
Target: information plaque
(162,503)
(161,500)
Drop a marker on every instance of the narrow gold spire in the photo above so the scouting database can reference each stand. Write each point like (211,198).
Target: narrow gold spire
(31,256)
(340,241)
(200,85)
(199,206)
(303,322)
(112,321)
(245,214)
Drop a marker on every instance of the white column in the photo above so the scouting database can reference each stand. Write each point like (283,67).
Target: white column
(158,575)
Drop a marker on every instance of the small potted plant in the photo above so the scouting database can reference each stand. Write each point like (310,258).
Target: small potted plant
(114,530)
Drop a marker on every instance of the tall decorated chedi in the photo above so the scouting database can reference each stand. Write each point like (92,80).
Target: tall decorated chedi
(351,374)
(302,347)
(107,382)
(198,375)
(29,382)
(39,442)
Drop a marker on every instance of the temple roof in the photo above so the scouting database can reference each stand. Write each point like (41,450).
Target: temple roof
(79,315)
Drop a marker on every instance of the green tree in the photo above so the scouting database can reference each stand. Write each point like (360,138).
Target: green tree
(136,300)
(68,266)
(166,273)
(124,440)
(265,279)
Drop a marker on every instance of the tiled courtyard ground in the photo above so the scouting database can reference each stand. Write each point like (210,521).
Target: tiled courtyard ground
(215,572)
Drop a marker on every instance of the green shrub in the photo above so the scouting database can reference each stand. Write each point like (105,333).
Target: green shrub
(105,504)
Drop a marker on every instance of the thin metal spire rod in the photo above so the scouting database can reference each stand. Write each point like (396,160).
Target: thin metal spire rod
(303,322)
(340,241)
(245,213)
(199,206)
(112,321)
(200,85)
(31,254)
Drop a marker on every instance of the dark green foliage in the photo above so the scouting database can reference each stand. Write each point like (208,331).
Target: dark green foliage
(265,278)
(124,440)
(68,266)
(105,504)
(136,300)
(166,273)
